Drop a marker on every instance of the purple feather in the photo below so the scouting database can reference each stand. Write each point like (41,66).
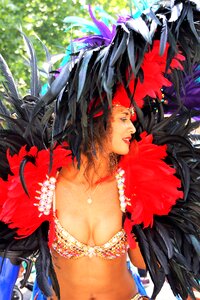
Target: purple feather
(94,40)
(123,19)
(189,91)
(105,31)
(104,39)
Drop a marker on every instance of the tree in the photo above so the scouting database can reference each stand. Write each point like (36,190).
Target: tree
(42,18)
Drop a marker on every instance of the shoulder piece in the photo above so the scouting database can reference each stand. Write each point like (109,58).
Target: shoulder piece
(26,197)
(150,183)
(163,219)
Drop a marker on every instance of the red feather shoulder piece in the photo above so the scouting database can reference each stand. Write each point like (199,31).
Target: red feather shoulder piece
(26,212)
(150,185)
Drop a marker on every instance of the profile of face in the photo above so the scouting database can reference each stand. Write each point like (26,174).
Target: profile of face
(122,129)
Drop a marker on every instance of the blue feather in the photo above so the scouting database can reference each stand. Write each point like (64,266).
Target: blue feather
(141,6)
(105,17)
(84,25)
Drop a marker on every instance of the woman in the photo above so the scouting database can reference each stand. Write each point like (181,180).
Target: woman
(87,206)
(72,164)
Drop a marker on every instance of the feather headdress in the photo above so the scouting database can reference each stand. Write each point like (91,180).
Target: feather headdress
(93,73)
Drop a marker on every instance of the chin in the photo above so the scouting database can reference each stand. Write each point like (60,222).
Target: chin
(122,151)
(125,152)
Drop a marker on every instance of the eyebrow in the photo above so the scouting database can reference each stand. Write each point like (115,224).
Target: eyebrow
(125,113)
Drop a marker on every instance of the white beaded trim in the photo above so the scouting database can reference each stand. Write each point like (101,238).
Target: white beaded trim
(124,201)
(46,195)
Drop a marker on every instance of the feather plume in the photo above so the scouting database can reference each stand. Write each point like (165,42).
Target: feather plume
(139,26)
(164,35)
(189,91)
(43,262)
(35,86)
(9,78)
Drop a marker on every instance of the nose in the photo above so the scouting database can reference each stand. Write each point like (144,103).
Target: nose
(132,128)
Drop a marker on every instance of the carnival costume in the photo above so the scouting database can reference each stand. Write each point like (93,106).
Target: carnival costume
(148,61)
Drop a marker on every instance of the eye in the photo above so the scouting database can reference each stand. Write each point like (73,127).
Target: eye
(123,119)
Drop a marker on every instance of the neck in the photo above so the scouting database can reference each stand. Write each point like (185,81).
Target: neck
(88,175)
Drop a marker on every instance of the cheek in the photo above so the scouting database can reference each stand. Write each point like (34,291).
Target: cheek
(116,135)
(118,146)
(114,141)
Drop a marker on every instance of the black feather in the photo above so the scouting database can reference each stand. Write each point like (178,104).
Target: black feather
(131,52)
(35,85)
(83,72)
(121,47)
(9,78)
(43,263)
(164,35)
(190,19)
(21,171)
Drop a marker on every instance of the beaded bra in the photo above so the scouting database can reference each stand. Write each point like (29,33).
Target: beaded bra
(69,247)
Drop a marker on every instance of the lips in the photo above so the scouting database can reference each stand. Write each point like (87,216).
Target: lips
(127,140)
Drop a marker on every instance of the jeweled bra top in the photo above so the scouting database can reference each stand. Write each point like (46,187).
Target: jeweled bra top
(69,247)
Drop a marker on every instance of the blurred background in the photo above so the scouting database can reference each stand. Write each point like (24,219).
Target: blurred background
(45,19)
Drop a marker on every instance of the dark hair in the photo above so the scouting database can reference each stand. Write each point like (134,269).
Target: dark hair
(91,140)
(99,131)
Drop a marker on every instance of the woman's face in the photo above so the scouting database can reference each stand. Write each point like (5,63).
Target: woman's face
(121,130)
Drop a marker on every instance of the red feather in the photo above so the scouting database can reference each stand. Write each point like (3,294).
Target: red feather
(150,183)
(153,68)
(17,209)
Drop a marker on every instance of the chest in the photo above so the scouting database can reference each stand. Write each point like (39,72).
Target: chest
(90,223)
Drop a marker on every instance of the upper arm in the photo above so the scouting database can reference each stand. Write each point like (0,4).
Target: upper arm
(136,257)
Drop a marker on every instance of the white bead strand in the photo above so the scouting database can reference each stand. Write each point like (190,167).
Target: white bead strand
(46,196)
(124,201)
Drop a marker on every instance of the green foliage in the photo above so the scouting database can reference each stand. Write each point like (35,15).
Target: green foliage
(42,18)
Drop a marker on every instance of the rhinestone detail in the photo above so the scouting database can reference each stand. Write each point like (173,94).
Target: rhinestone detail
(124,201)
(45,195)
(69,247)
